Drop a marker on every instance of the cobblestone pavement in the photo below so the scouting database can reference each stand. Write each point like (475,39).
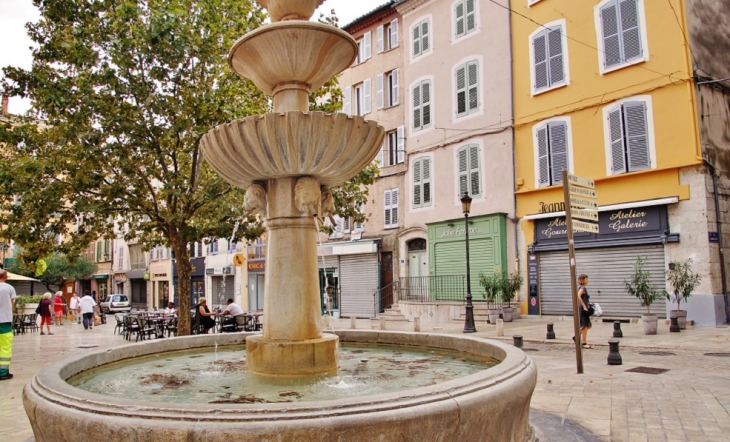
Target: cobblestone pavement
(689,402)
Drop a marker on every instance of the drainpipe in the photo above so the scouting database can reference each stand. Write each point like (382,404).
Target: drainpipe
(514,165)
(719,237)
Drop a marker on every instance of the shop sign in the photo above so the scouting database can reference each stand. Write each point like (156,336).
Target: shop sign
(256,266)
(615,222)
(460,231)
(120,278)
(219,271)
(551,207)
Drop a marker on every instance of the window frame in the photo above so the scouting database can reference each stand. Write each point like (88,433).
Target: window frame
(455,36)
(643,37)
(545,29)
(411,93)
(364,48)
(650,133)
(421,53)
(536,149)
(386,36)
(417,171)
(465,63)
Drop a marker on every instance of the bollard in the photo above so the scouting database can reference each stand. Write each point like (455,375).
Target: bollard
(674,327)
(614,357)
(500,327)
(416,323)
(353,322)
(517,340)
(617,333)
(382,322)
(550,331)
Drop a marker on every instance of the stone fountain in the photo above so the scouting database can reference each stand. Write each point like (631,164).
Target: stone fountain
(287,161)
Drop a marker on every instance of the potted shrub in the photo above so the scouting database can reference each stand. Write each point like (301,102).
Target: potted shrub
(639,285)
(491,287)
(683,281)
(26,304)
(510,285)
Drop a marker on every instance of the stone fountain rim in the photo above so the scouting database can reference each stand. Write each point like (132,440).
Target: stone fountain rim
(50,383)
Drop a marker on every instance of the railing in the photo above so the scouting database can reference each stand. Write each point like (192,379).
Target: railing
(445,288)
(385,297)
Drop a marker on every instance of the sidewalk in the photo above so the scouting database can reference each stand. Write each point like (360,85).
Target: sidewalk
(690,402)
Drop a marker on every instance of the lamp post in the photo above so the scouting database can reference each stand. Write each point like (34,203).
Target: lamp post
(469,320)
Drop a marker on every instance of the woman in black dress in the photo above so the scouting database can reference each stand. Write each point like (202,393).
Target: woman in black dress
(584,307)
(204,316)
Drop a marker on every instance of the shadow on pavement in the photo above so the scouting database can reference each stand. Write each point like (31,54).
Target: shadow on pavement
(551,428)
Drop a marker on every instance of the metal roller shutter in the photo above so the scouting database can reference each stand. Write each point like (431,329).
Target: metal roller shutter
(221,294)
(358,283)
(607,268)
(451,260)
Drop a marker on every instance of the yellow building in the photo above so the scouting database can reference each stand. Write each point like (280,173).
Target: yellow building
(606,89)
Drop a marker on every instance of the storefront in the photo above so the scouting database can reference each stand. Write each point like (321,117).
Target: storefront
(256,271)
(120,280)
(197,280)
(487,249)
(223,284)
(352,272)
(100,284)
(138,287)
(160,276)
(608,258)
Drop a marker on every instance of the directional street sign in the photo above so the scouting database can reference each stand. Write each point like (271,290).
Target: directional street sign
(581,192)
(583,203)
(581,226)
(580,181)
(590,215)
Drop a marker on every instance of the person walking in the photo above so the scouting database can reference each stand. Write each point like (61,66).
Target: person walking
(585,312)
(7,301)
(45,308)
(87,310)
(58,308)
(73,304)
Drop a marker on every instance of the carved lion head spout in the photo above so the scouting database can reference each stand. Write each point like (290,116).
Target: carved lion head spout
(327,208)
(254,201)
(307,195)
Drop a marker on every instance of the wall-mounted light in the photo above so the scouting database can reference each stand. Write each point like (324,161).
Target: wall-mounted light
(664,237)
(531,248)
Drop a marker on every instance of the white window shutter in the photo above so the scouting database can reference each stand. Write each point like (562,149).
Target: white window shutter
(416,40)
(379,34)
(610,31)
(395,90)
(346,105)
(379,92)
(426,100)
(368,46)
(386,205)
(346,225)
(380,155)
(367,96)
(460,23)
(339,227)
(630,33)
(460,81)
(540,64)
(637,140)
(393,34)
(394,207)
(427,180)
(615,125)
(558,138)
(417,107)
(543,157)
(425,36)
(401,143)
(463,171)
(555,50)
(471,19)
(417,166)
(474,170)
(472,77)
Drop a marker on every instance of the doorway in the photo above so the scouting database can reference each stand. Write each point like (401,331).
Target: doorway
(256,291)
(329,286)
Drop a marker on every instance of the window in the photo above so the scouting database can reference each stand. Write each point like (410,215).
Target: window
(387,36)
(98,251)
(213,246)
(393,151)
(467,88)
(232,247)
(629,135)
(358,99)
(120,260)
(422,182)
(548,69)
(107,247)
(466,17)
(391,208)
(386,89)
(257,249)
(421,37)
(338,227)
(422,105)
(364,48)
(622,33)
(196,250)
(469,171)
(551,141)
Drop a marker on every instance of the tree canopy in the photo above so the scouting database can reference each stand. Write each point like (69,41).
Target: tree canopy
(122,91)
(58,270)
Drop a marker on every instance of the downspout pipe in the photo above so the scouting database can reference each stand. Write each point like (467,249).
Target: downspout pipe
(718,221)
(516,223)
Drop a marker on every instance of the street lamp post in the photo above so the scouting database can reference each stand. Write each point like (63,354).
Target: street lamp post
(469,320)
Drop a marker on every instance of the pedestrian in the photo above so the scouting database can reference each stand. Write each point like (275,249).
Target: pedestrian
(585,309)
(73,304)
(58,308)
(45,308)
(7,302)
(87,310)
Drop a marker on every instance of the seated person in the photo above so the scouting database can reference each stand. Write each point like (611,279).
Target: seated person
(232,309)
(203,316)
(170,308)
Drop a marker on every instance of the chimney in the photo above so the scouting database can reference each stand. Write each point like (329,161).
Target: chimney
(5,104)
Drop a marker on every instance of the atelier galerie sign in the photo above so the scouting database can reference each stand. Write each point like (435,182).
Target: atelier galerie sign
(615,222)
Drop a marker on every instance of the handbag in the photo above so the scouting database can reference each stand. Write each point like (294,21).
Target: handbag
(597,310)
(38,310)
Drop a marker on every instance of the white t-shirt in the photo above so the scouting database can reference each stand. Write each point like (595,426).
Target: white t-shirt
(169,310)
(234,309)
(7,292)
(87,304)
(73,304)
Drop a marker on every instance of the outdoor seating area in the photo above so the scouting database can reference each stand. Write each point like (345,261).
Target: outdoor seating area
(23,323)
(147,325)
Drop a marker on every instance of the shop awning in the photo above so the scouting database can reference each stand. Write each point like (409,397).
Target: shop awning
(16,277)
(104,276)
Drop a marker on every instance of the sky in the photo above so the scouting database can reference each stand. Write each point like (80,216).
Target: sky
(14,14)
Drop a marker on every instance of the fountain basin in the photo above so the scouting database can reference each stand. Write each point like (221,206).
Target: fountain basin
(491,405)
(290,9)
(329,147)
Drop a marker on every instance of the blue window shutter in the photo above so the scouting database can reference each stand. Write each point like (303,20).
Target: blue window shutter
(543,157)
(539,43)
(558,133)
(637,140)
(615,125)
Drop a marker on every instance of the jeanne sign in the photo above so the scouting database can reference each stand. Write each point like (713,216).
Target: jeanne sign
(551,207)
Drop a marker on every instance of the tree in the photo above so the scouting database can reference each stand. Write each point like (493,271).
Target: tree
(125,90)
(59,269)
